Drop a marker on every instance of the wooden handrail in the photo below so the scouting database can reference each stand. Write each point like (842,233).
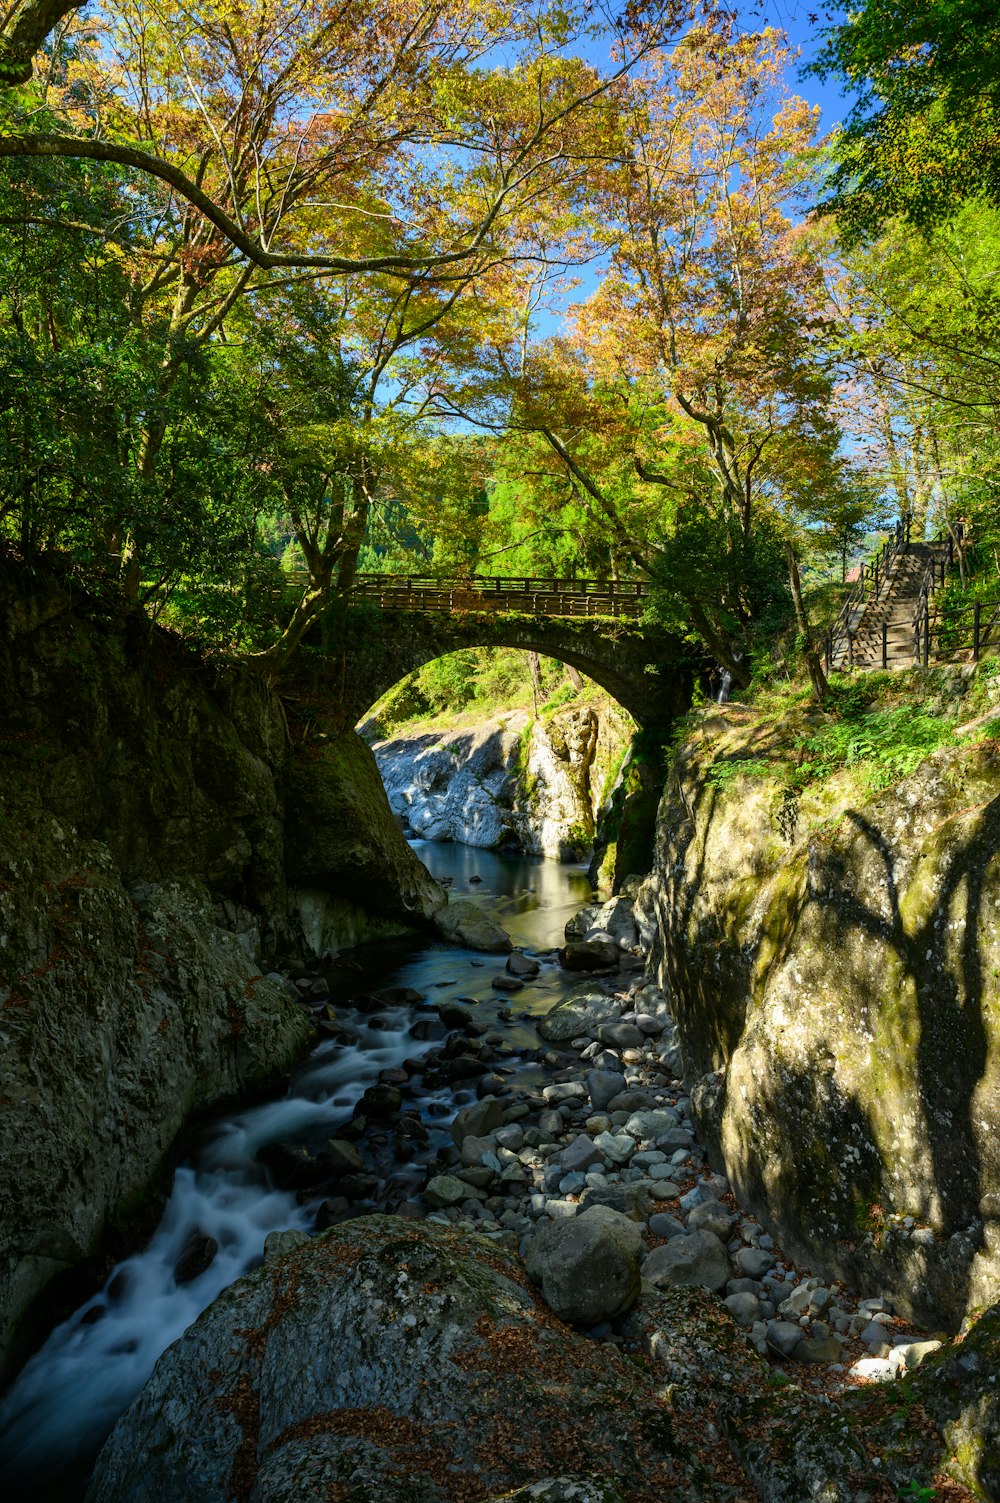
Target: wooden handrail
(873,576)
(368,584)
(534,596)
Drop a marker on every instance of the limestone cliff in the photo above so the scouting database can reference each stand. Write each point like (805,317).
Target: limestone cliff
(534,784)
(158,837)
(834,968)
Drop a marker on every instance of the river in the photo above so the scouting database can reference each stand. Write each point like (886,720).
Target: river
(62,1405)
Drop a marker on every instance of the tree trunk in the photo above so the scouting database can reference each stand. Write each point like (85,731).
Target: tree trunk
(737,668)
(817,677)
(273,660)
(535,670)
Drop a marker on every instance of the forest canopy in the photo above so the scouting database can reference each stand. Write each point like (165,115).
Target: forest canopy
(302,291)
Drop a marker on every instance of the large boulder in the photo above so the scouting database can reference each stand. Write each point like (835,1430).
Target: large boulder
(578,1015)
(592,954)
(617,918)
(696,1258)
(351,875)
(462,922)
(385,1360)
(587,1267)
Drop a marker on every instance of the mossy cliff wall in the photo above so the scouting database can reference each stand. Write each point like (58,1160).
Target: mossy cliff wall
(834,963)
(156,841)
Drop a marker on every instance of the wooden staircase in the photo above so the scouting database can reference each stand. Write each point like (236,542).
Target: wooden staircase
(883,623)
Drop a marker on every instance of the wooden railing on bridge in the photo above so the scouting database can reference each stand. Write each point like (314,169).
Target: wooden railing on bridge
(529,596)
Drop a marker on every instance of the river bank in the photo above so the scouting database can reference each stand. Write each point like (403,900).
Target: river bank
(499,1098)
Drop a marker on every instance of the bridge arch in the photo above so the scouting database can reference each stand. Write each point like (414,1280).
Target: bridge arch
(646,671)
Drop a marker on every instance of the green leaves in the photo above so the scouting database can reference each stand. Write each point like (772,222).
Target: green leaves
(925,135)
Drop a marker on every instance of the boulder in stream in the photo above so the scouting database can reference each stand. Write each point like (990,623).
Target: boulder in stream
(578,1015)
(588,1266)
(463,922)
(389,1360)
(589,954)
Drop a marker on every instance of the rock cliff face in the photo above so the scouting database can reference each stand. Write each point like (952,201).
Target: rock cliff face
(833,968)
(510,780)
(155,839)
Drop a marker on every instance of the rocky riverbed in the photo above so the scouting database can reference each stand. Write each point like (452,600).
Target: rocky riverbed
(565,1284)
(607,1127)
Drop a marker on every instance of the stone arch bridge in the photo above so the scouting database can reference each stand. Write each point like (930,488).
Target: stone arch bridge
(395,624)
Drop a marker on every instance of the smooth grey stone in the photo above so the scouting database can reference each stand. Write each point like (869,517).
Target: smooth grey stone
(692,1258)
(579,1155)
(712,1216)
(587,1267)
(754,1262)
(783,1336)
(604,1086)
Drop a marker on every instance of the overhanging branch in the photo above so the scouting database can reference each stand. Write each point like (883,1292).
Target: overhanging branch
(143,161)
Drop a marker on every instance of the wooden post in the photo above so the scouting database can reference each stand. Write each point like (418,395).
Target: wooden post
(976,619)
(885,645)
(850,648)
(927,631)
(829,651)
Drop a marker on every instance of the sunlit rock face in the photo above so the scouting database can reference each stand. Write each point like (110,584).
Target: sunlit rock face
(509,780)
(833,963)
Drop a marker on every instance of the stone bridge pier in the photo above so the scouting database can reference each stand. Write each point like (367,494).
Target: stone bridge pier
(648,672)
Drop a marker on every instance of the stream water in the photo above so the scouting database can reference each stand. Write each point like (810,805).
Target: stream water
(61,1407)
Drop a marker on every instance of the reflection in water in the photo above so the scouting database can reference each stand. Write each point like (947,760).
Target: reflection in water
(531,896)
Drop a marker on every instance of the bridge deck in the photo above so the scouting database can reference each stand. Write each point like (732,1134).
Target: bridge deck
(535,597)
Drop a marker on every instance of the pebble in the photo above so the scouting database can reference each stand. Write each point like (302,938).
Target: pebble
(605,1127)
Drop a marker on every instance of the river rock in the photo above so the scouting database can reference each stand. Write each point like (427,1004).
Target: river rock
(445,1190)
(754,1261)
(618,1148)
(581,1013)
(617,919)
(694,1258)
(384,1359)
(280,1244)
(197,1255)
(522,966)
(462,922)
(603,1086)
(580,1154)
(712,1216)
(651,1124)
(633,1199)
(588,1267)
(621,1035)
(505,983)
(477,1120)
(577,926)
(589,955)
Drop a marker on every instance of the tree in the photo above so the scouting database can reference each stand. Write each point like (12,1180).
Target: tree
(692,407)
(916,339)
(24,27)
(924,137)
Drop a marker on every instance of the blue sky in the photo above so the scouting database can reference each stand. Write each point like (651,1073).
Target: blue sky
(804,22)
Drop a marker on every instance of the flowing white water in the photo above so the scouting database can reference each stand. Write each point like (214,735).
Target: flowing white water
(64,1402)
(70,1393)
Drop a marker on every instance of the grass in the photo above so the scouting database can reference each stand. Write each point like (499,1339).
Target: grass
(878,727)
